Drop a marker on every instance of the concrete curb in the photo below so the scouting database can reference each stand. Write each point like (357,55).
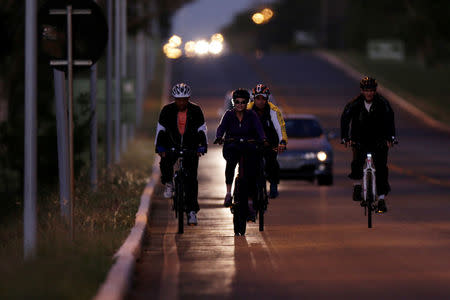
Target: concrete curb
(390,95)
(119,277)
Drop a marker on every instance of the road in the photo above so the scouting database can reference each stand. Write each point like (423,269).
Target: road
(316,244)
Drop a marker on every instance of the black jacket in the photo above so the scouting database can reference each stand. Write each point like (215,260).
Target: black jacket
(368,127)
(167,134)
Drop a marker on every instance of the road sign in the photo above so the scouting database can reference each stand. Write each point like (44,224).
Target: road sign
(89,27)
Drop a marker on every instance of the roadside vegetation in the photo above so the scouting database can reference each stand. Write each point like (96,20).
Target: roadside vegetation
(65,269)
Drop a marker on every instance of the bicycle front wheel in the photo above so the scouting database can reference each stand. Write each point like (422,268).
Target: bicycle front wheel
(179,192)
(369,200)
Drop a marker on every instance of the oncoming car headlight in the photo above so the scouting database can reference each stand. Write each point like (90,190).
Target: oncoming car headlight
(322,156)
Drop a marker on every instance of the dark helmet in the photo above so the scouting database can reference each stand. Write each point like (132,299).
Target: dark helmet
(181,90)
(368,83)
(240,93)
(261,89)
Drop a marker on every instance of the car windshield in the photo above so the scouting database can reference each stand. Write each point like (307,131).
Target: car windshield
(303,128)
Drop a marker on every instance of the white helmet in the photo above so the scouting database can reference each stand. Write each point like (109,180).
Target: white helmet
(181,90)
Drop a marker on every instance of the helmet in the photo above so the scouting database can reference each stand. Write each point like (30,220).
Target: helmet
(261,89)
(181,90)
(368,83)
(240,93)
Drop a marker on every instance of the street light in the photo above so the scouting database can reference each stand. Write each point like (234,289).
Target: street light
(258,18)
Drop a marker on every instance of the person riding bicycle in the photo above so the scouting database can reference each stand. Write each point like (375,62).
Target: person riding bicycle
(367,125)
(275,130)
(240,124)
(181,124)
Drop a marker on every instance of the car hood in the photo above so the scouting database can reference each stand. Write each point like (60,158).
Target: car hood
(308,144)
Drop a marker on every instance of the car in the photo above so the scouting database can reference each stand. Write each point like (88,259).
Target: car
(309,154)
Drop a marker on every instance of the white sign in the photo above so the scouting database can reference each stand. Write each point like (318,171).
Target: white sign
(386,49)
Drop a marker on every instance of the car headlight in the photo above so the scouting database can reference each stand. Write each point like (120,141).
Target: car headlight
(322,156)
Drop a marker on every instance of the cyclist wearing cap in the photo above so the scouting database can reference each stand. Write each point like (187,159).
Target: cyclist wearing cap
(240,124)
(181,123)
(275,130)
(367,124)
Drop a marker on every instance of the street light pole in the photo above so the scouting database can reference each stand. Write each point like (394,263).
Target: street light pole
(108,86)
(30,174)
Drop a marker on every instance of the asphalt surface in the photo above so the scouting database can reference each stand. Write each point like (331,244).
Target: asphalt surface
(316,244)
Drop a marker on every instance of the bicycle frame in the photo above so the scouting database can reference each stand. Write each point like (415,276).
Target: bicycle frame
(369,189)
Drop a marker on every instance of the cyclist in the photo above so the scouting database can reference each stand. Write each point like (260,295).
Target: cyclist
(275,130)
(181,124)
(367,124)
(240,124)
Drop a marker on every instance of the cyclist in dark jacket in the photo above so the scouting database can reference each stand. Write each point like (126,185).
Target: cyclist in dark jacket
(275,129)
(240,124)
(367,124)
(181,124)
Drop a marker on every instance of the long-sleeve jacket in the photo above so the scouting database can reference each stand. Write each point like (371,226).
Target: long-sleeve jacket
(272,122)
(249,128)
(368,127)
(168,135)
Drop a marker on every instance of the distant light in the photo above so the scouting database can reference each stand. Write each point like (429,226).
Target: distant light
(258,18)
(267,13)
(201,47)
(217,37)
(322,156)
(175,41)
(189,49)
(215,47)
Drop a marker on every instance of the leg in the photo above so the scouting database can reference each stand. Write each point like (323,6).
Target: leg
(357,172)
(191,166)
(166,167)
(382,171)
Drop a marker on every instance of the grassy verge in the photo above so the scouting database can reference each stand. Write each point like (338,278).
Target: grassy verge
(426,88)
(65,269)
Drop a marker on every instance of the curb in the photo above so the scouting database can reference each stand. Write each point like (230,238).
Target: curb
(392,96)
(119,277)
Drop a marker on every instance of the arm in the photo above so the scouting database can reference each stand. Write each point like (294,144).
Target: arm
(223,125)
(345,122)
(161,132)
(202,133)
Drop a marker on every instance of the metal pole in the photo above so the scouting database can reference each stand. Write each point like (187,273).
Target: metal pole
(62,141)
(93,126)
(140,77)
(123,23)
(70,111)
(30,172)
(108,93)
(117,83)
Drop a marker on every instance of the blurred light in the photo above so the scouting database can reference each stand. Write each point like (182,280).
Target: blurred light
(215,47)
(267,13)
(175,40)
(322,156)
(258,18)
(217,37)
(189,48)
(201,47)
(174,53)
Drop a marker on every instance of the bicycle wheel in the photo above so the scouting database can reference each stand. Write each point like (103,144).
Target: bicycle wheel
(369,200)
(262,204)
(179,192)
(239,210)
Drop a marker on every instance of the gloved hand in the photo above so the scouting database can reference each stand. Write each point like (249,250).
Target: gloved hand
(161,151)
(201,150)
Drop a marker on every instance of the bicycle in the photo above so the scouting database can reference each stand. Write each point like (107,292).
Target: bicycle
(239,208)
(369,188)
(179,196)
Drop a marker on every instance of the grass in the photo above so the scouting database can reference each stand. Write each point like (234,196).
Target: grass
(426,88)
(65,269)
